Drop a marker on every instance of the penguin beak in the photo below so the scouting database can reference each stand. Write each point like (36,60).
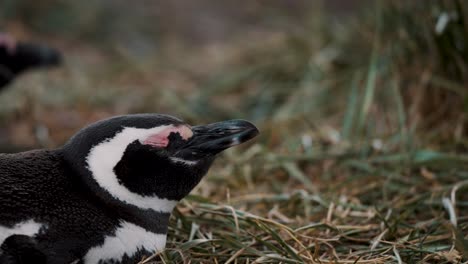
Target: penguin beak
(209,140)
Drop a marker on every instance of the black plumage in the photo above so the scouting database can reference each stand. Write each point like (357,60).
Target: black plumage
(39,185)
(21,249)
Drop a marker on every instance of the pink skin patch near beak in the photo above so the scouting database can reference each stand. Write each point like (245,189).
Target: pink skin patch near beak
(161,139)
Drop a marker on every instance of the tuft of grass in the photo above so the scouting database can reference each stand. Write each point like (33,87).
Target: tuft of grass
(389,210)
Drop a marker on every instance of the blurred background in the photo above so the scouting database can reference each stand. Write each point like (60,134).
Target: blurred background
(362,107)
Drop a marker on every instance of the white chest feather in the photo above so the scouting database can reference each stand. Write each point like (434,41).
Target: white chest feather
(29,228)
(127,240)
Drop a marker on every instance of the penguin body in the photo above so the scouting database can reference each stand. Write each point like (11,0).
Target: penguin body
(107,195)
(39,199)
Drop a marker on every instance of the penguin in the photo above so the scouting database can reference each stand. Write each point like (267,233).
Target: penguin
(16,58)
(107,194)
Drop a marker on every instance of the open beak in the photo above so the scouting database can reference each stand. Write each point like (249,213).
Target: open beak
(209,140)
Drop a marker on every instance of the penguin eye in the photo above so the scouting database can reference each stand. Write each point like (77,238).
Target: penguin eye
(176,141)
(171,137)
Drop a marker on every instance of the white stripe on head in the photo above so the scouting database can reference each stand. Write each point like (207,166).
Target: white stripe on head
(103,157)
(28,228)
(127,240)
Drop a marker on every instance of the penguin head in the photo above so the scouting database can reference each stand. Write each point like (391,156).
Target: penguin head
(149,160)
(30,55)
(24,56)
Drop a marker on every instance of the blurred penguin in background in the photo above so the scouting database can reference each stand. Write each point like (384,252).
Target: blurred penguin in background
(18,57)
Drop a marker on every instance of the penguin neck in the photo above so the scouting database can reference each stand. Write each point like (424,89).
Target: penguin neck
(150,213)
(149,216)
(152,221)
